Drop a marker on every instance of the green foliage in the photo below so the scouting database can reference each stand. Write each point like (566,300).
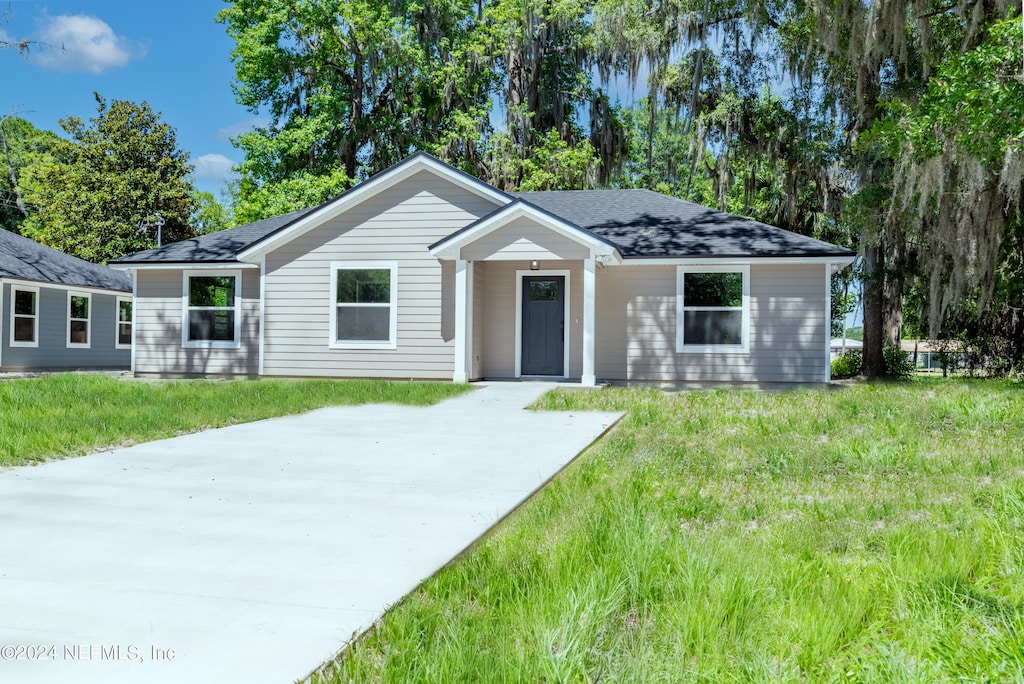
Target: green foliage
(898,363)
(105,180)
(553,165)
(69,414)
(302,189)
(720,536)
(210,215)
(855,333)
(847,364)
(21,145)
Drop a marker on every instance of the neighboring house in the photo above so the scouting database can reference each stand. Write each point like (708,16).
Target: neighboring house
(59,312)
(840,345)
(425,272)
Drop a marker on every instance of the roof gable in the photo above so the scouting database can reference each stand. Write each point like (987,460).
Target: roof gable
(26,259)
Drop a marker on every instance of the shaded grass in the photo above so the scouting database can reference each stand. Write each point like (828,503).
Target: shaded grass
(71,414)
(871,534)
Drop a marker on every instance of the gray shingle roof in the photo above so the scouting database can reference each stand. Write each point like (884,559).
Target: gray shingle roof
(215,247)
(643,223)
(28,260)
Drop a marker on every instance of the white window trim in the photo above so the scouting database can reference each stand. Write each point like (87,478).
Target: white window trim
(208,344)
(392,341)
(117,322)
(88,322)
(744,346)
(35,336)
(567,274)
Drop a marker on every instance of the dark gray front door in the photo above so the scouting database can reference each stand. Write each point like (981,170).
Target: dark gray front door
(543,348)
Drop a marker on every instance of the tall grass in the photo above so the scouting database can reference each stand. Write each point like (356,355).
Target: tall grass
(71,414)
(871,534)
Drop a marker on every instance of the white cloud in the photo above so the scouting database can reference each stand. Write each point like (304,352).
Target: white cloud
(243,126)
(82,43)
(213,167)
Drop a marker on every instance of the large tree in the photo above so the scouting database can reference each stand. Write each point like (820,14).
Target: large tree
(106,181)
(21,145)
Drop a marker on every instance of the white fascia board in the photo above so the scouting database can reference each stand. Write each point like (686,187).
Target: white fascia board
(61,286)
(182,265)
(837,261)
(368,189)
(503,217)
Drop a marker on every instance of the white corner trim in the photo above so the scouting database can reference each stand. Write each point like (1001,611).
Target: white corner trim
(263,312)
(186,343)
(117,321)
(501,218)
(332,341)
(566,310)
(369,188)
(88,321)
(35,334)
(135,306)
(828,323)
(589,376)
(744,347)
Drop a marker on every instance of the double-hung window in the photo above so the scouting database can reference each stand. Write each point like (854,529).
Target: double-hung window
(211,312)
(124,323)
(24,316)
(713,309)
(364,298)
(79,320)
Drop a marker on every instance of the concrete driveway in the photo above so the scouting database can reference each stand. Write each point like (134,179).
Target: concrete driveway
(252,553)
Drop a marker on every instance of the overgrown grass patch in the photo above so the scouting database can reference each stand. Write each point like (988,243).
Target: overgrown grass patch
(70,414)
(870,534)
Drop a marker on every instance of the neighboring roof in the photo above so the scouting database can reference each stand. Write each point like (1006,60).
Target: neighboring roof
(219,247)
(643,223)
(838,343)
(28,260)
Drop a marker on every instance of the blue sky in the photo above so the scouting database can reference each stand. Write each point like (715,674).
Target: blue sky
(172,55)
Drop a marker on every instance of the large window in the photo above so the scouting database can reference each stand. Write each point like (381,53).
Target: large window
(211,309)
(363,305)
(24,316)
(79,319)
(124,323)
(712,309)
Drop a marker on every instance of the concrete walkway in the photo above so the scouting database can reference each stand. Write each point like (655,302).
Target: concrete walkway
(252,553)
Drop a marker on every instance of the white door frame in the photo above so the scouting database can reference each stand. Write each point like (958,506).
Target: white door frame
(566,273)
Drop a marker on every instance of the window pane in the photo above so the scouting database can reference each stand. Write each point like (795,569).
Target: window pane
(214,326)
(370,323)
(544,291)
(712,327)
(79,332)
(24,303)
(712,289)
(124,312)
(79,307)
(124,333)
(24,329)
(364,286)
(211,291)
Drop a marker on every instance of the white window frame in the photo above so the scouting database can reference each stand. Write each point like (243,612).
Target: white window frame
(117,322)
(35,333)
(186,343)
(88,321)
(681,346)
(392,341)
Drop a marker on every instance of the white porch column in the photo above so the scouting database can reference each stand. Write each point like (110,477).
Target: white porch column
(589,378)
(463,320)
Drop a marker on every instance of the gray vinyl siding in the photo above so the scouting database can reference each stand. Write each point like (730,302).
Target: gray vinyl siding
(52,352)
(398,225)
(479,314)
(636,328)
(159,320)
(500,316)
(524,239)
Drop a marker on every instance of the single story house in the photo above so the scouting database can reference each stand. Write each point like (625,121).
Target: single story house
(423,271)
(59,312)
(840,345)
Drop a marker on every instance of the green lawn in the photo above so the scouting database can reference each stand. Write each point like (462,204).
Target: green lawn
(70,414)
(874,533)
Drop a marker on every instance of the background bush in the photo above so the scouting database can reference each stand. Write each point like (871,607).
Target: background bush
(847,364)
(898,363)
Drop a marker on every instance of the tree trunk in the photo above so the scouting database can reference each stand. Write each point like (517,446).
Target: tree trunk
(873,361)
